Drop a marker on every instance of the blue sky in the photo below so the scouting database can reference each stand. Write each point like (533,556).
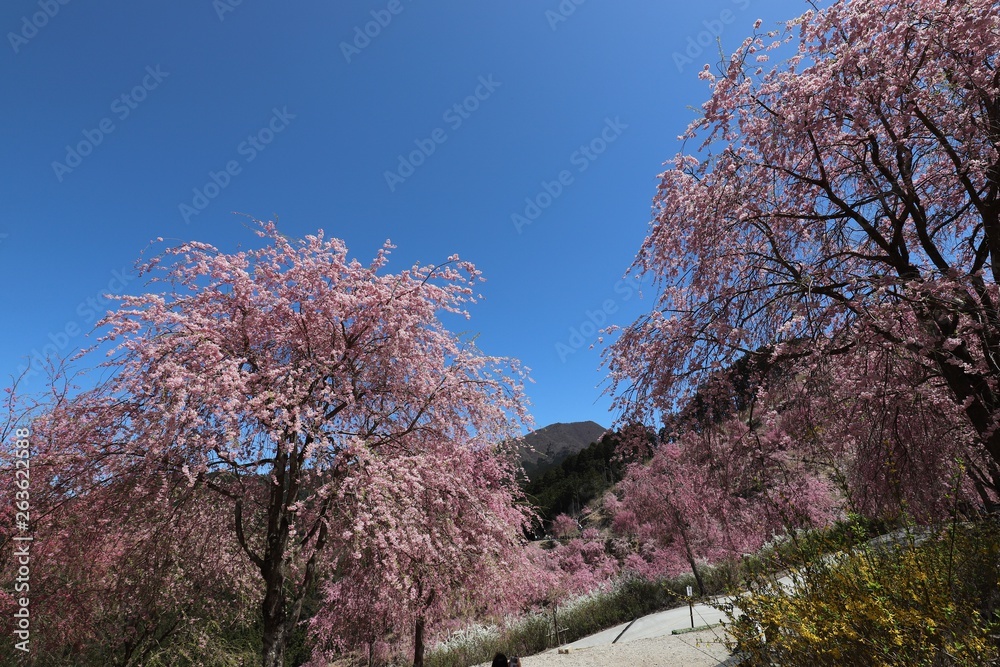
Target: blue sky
(524,136)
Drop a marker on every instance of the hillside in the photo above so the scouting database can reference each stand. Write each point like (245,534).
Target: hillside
(550,445)
(580,478)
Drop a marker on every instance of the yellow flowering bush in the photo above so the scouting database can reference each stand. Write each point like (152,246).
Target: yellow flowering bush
(927,600)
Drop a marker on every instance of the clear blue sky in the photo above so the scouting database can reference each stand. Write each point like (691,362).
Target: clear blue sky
(309,114)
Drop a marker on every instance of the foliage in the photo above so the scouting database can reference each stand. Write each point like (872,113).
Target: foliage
(892,439)
(431,563)
(788,551)
(571,567)
(131,567)
(927,601)
(565,526)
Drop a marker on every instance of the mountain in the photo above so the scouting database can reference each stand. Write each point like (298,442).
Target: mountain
(550,445)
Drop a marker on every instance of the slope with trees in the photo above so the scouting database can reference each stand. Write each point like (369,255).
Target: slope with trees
(548,446)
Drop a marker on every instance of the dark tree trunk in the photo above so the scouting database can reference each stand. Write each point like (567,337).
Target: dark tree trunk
(979,400)
(694,568)
(418,643)
(272,567)
(273,610)
(690,554)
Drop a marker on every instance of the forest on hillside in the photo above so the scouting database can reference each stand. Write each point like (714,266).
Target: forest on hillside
(569,486)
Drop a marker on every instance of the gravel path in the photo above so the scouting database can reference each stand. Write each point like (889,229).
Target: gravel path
(694,649)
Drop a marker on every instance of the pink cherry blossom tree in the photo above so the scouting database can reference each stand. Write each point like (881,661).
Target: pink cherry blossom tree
(126,567)
(564,526)
(717,494)
(578,565)
(844,200)
(294,388)
(438,543)
(888,433)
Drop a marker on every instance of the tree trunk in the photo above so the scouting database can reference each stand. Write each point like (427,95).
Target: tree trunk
(272,566)
(555,623)
(694,568)
(273,610)
(971,390)
(690,554)
(418,643)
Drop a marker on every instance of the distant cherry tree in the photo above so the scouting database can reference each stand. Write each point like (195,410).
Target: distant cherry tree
(715,495)
(564,526)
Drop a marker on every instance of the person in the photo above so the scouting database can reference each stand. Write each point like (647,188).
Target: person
(514,662)
(500,660)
